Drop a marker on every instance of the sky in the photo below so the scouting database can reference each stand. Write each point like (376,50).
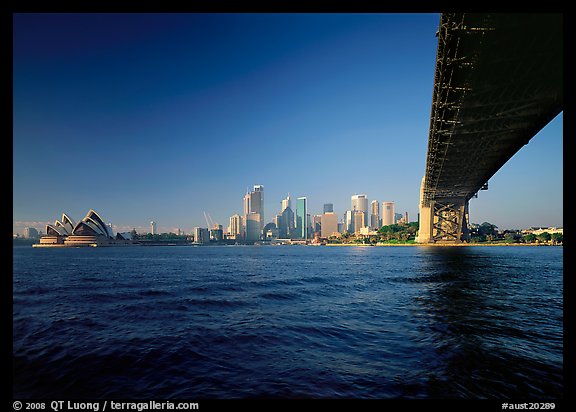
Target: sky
(166,116)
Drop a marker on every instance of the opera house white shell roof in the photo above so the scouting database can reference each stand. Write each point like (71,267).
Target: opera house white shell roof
(91,225)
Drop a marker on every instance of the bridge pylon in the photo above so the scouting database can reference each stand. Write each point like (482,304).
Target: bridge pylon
(443,220)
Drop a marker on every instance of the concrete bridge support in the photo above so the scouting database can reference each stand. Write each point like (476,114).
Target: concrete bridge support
(443,220)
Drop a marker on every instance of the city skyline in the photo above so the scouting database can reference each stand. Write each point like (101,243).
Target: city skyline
(173,126)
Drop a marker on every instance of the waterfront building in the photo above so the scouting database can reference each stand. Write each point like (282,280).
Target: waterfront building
(30,233)
(374,215)
(349,221)
(254,205)
(216,233)
(328,207)
(252,227)
(406,218)
(286,223)
(236,228)
(90,231)
(301,218)
(388,217)
(153,228)
(360,203)
(316,223)
(340,227)
(329,224)
(201,235)
(359,219)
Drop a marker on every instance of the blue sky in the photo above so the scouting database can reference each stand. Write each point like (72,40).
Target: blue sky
(166,116)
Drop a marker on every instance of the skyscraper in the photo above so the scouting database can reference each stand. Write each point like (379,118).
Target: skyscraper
(360,203)
(153,228)
(236,227)
(301,218)
(374,215)
(253,229)
(257,203)
(286,203)
(254,205)
(286,226)
(349,221)
(358,220)
(329,224)
(388,217)
(328,208)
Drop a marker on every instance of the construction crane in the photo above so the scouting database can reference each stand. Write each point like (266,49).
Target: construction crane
(209,220)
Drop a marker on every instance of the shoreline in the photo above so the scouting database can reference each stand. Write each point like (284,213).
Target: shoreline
(441,244)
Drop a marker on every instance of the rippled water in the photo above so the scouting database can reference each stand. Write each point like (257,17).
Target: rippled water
(288,321)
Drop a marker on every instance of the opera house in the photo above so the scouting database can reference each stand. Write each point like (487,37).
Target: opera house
(90,231)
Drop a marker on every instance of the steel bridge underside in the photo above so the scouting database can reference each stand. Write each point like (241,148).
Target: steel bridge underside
(498,82)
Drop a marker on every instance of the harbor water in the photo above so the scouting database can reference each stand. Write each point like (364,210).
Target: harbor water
(288,322)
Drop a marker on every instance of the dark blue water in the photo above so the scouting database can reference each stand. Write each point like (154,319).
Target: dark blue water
(288,321)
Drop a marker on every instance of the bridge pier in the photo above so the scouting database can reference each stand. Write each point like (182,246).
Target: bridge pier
(443,221)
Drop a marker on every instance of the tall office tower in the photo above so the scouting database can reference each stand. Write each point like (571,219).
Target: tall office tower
(301,218)
(358,221)
(253,229)
(286,227)
(254,204)
(246,201)
(328,208)
(257,203)
(286,203)
(374,215)
(349,221)
(236,226)
(317,223)
(360,203)
(406,218)
(153,228)
(329,224)
(388,217)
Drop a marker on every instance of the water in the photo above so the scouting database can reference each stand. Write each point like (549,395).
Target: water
(288,322)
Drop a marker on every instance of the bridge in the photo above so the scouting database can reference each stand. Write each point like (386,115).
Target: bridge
(498,82)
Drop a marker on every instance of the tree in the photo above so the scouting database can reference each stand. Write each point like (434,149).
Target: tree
(509,237)
(488,229)
(557,238)
(529,238)
(544,237)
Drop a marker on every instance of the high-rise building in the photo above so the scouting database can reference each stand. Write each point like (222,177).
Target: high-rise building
(301,218)
(374,215)
(253,230)
(286,203)
(388,217)
(358,220)
(360,203)
(328,207)
(30,233)
(236,226)
(349,221)
(201,235)
(254,205)
(316,223)
(329,224)
(257,203)
(153,228)
(246,203)
(286,223)
(406,218)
